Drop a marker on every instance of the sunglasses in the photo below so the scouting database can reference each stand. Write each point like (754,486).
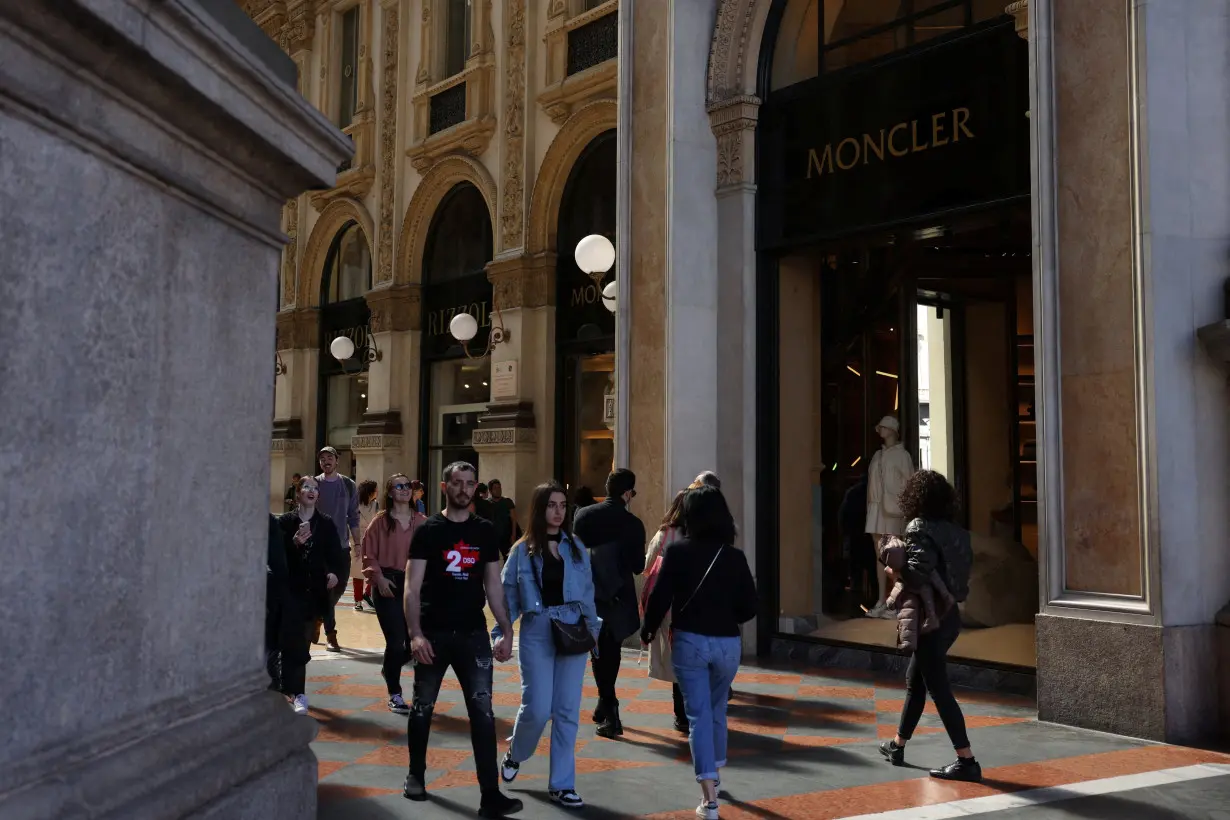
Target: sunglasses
(401,487)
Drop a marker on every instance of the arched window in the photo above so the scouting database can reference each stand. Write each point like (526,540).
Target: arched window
(348,271)
(459,242)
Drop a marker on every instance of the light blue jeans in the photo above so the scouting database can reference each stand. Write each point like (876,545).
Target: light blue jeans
(705,666)
(550,690)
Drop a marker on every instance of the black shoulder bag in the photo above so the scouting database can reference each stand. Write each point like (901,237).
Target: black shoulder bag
(570,639)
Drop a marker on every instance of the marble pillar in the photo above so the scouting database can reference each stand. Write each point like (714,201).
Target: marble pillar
(386,440)
(148,151)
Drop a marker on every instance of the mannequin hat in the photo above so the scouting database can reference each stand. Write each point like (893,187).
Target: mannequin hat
(889,423)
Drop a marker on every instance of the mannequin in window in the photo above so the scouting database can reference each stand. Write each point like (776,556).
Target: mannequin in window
(890,468)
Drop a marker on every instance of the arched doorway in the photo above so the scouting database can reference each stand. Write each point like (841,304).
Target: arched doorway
(342,386)
(584,327)
(455,388)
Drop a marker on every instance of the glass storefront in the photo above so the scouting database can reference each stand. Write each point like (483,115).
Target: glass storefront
(459,391)
(894,234)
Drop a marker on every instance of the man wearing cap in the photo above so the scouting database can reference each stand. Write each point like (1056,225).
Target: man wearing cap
(890,468)
(338,499)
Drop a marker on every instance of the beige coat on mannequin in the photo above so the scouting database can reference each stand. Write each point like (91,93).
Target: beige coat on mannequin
(890,468)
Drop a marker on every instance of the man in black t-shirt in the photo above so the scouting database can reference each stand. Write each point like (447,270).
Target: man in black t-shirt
(454,568)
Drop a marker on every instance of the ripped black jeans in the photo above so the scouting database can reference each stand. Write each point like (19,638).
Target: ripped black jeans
(469,653)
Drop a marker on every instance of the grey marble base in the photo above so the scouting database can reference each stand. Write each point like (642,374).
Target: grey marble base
(891,662)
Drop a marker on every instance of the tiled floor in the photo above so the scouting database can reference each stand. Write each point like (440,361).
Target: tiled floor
(802,747)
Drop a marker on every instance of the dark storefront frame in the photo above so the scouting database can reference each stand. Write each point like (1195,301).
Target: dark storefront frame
(768,259)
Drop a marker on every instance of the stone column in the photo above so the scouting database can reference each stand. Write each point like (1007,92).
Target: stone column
(1132,226)
(381,445)
(294,401)
(515,436)
(148,151)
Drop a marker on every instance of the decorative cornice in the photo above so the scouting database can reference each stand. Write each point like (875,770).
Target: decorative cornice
(298,329)
(523,281)
(504,437)
(375,444)
(396,309)
(728,53)
(512,206)
(388,146)
(288,429)
(285,445)
(387,423)
(1020,10)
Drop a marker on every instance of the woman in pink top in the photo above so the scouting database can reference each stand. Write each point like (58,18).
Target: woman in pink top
(386,549)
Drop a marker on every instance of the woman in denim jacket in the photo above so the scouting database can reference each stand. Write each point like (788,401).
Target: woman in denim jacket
(547,576)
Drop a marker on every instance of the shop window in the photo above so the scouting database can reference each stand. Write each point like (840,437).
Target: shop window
(348,73)
(459,392)
(349,273)
(457,19)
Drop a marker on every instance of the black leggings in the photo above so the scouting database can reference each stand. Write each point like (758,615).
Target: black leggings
(393,624)
(928,671)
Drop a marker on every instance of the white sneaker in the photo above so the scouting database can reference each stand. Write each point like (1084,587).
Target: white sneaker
(509,770)
(397,705)
(567,798)
(877,611)
(300,704)
(708,811)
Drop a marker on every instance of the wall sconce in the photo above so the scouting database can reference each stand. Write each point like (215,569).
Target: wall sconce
(608,295)
(343,349)
(595,256)
(279,366)
(464,327)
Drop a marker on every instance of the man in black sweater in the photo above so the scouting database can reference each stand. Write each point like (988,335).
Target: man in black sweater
(616,539)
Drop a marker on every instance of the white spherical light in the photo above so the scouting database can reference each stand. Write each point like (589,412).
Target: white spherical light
(595,254)
(608,296)
(464,327)
(342,348)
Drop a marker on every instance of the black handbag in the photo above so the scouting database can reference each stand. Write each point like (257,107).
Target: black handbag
(570,639)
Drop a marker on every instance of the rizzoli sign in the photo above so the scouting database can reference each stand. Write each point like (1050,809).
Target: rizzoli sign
(938,130)
(935,130)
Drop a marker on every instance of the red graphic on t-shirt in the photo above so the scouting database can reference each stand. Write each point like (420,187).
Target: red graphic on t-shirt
(459,559)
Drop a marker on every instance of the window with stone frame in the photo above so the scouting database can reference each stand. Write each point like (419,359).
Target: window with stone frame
(348,71)
(458,17)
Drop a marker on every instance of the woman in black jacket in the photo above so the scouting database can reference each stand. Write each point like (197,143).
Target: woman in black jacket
(934,543)
(706,585)
(315,563)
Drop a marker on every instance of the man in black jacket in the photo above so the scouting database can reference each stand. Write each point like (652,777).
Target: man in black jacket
(616,539)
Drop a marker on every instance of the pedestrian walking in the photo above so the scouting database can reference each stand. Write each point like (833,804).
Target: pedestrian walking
(419,492)
(454,568)
(934,543)
(384,553)
(708,589)
(292,491)
(368,507)
(277,593)
(548,583)
(315,565)
(503,515)
(616,539)
(660,668)
(339,500)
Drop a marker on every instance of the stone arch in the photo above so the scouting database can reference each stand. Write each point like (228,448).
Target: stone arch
(335,215)
(734,54)
(586,123)
(438,181)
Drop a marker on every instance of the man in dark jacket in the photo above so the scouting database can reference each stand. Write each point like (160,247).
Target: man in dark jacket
(277,590)
(616,539)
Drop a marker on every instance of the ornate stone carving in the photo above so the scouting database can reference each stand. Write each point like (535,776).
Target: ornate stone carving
(388,145)
(728,53)
(563,92)
(377,443)
(338,212)
(290,254)
(586,123)
(285,445)
(1020,10)
(423,75)
(523,281)
(557,8)
(506,436)
(300,26)
(298,329)
(734,124)
(512,208)
(397,308)
(437,182)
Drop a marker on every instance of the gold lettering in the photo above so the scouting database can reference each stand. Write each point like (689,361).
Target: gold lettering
(871,147)
(820,162)
(853,162)
(915,147)
(937,129)
(960,116)
(891,136)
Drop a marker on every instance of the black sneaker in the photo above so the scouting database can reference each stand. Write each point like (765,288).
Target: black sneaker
(682,726)
(414,788)
(567,798)
(497,804)
(508,769)
(893,753)
(963,769)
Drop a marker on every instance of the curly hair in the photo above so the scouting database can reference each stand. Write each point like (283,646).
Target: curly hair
(928,495)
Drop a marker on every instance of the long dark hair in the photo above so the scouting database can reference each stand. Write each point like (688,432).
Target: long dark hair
(706,516)
(367,491)
(674,514)
(390,523)
(928,495)
(536,536)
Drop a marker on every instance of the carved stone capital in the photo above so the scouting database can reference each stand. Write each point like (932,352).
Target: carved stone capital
(1020,10)
(375,443)
(396,309)
(523,281)
(734,124)
(298,329)
(291,429)
(506,427)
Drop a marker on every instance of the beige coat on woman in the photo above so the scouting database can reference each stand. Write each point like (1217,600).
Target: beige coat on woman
(660,650)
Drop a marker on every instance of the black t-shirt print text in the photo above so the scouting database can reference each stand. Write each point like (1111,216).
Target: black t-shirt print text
(456,554)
